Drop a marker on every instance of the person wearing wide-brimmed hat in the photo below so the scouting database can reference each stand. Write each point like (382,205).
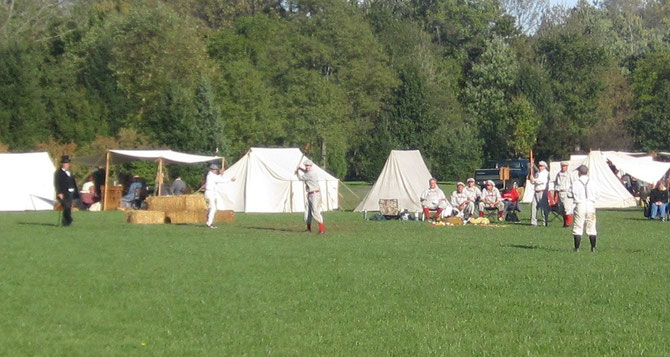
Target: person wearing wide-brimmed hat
(214,178)
(540,201)
(562,189)
(66,189)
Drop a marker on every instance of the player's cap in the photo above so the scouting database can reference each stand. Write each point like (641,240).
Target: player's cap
(470,180)
(489,182)
(213,167)
(564,163)
(308,162)
(542,163)
(460,184)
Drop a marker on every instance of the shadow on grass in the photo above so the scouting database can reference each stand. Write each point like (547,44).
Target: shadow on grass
(276,229)
(533,247)
(39,224)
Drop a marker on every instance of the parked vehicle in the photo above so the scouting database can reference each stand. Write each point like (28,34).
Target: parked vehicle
(518,171)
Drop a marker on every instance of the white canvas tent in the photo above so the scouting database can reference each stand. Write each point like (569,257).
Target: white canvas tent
(642,168)
(27,182)
(612,192)
(404,177)
(266,182)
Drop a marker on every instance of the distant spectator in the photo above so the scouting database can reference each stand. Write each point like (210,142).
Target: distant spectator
(99,180)
(178,186)
(135,195)
(658,199)
(87,192)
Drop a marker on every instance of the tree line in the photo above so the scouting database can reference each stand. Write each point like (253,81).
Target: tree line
(461,80)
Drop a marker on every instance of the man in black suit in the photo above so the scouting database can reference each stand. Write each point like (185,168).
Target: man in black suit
(66,189)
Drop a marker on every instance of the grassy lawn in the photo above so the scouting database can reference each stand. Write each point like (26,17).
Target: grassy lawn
(259,286)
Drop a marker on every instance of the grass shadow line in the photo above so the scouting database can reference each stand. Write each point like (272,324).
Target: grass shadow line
(39,224)
(275,229)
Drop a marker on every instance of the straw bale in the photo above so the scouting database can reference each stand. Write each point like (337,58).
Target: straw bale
(145,217)
(177,203)
(194,202)
(199,216)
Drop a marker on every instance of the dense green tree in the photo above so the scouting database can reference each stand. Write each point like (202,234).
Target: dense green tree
(651,85)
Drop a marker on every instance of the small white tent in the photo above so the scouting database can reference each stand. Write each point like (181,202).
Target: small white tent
(27,182)
(612,192)
(266,182)
(404,177)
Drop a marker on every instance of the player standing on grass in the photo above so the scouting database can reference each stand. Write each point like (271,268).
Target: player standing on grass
(585,194)
(214,177)
(313,203)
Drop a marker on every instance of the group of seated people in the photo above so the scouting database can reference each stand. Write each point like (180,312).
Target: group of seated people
(137,191)
(468,198)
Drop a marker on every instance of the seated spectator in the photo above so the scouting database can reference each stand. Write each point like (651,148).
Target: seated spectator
(433,198)
(178,186)
(87,192)
(511,200)
(658,199)
(135,195)
(461,202)
(491,199)
(473,192)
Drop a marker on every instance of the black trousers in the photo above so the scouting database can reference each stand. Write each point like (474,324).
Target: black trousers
(66,203)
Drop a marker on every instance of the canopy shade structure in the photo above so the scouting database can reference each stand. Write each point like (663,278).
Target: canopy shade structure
(404,177)
(27,182)
(266,182)
(122,156)
(612,192)
(160,156)
(642,168)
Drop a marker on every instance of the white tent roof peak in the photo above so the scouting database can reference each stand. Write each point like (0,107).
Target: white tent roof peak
(404,177)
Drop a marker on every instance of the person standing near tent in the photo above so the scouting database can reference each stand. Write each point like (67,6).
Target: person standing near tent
(66,189)
(433,198)
(214,178)
(585,194)
(540,201)
(313,203)
(562,188)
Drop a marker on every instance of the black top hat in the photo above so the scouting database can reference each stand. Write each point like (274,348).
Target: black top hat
(65,159)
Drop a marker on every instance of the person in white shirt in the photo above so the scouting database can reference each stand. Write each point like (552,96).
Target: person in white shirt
(313,202)
(491,199)
(584,193)
(433,198)
(472,191)
(460,202)
(562,188)
(214,178)
(540,182)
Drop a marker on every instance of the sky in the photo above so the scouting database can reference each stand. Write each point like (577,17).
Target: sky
(567,3)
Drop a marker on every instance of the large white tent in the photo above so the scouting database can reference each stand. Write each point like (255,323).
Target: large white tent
(404,177)
(612,192)
(266,182)
(642,168)
(27,182)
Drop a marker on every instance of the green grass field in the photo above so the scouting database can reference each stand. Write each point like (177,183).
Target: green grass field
(260,286)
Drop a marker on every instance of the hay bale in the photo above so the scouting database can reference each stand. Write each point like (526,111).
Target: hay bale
(181,217)
(177,203)
(145,217)
(194,202)
(199,216)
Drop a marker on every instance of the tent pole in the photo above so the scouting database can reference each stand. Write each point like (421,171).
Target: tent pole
(159,178)
(104,201)
(347,187)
